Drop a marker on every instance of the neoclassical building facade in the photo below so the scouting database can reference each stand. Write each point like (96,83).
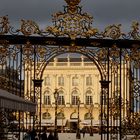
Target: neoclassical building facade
(75,78)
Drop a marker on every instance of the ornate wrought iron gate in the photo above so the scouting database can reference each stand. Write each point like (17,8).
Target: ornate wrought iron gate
(116,55)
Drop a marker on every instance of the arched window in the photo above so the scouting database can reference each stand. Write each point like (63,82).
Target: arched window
(47,81)
(47,99)
(46,115)
(61,81)
(75,81)
(87,116)
(74,115)
(75,97)
(89,97)
(89,80)
(61,100)
(60,115)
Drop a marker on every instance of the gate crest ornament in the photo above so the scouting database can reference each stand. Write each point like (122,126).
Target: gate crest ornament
(72,23)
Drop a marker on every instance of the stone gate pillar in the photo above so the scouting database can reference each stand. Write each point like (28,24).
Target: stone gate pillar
(38,100)
(104,114)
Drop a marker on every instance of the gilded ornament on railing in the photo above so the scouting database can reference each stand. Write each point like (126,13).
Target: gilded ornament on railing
(28,52)
(4,43)
(135,55)
(102,54)
(131,126)
(29,27)
(90,32)
(3,56)
(4,25)
(112,31)
(72,23)
(3,51)
(136,89)
(114,52)
(127,57)
(135,30)
(114,58)
(54,31)
(41,51)
(73,48)
(28,49)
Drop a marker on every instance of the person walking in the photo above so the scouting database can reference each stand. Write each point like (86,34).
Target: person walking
(27,135)
(51,136)
(44,135)
(15,137)
(83,131)
(33,134)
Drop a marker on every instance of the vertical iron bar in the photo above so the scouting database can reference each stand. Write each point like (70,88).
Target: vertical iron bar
(56,94)
(123,91)
(17,90)
(9,71)
(108,96)
(34,85)
(104,88)
(101,117)
(40,106)
(139,87)
(78,127)
(38,88)
(120,97)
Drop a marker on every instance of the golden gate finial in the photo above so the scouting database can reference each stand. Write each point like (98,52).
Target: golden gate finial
(73,2)
(72,5)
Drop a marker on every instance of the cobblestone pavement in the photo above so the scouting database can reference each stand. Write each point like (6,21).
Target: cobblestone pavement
(67,136)
(72,136)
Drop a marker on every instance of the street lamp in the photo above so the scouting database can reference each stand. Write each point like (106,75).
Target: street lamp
(78,135)
(56,95)
(91,118)
(62,111)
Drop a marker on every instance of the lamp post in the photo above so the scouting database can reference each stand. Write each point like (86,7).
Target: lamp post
(78,135)
(62,111)
(91,118)
(56,95)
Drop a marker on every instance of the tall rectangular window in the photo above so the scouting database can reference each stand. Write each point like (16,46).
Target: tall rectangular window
(89,100)
(47,100)
(74,100)
(61,81)
(89,81)
(47,81)
(61,100)
(75,81)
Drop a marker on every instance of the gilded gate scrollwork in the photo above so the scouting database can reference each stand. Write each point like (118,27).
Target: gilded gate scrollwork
(25,53)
